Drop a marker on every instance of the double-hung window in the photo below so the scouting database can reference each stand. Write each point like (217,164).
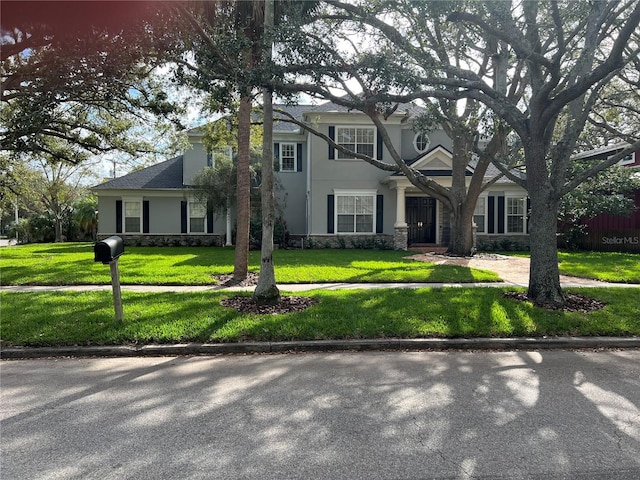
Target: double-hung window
(197,217)
(288,157)
(516,214)
(356,139)
(132,216)
(355,212)
(479,214)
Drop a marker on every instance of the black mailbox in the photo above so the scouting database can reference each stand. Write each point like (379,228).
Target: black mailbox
(107,250)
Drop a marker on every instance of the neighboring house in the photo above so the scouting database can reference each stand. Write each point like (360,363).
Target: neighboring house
(614,232)
(326,198)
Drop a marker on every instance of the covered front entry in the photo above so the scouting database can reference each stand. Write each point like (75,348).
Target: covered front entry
(421,219)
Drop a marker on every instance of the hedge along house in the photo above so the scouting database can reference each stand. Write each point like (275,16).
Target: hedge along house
(607,232)
(326,198)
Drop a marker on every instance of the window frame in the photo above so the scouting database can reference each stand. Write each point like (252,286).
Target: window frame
(339,154)
(629,159)
(191,202)
(524,223)
(294,146)
(131,200)
(481,228)
(372,194)
(415,142)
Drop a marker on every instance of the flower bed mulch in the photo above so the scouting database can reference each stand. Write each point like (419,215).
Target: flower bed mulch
(574,303)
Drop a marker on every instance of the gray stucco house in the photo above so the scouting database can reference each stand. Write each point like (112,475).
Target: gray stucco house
(326,198)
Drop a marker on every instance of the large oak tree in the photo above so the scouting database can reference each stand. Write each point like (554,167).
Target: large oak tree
(76,76)
(560,56)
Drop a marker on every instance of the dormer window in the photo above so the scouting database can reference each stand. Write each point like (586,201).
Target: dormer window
(421,142)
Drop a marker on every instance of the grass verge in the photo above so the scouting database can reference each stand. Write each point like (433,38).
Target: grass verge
(72,264)
(70,318)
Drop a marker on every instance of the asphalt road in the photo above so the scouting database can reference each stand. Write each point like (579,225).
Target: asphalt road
(454,415)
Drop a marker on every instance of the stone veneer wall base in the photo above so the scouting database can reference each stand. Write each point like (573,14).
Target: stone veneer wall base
(168,240)
(401,238)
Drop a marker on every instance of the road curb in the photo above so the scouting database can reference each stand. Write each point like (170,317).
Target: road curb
(432,344)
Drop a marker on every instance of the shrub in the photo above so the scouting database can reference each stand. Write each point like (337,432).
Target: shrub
(281,235)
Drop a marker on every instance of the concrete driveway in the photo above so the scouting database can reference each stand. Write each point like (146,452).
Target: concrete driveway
(551,415)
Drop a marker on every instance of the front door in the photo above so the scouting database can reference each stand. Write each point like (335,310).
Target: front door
(421,219)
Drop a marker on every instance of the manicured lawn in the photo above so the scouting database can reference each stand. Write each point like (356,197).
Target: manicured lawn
(69,318)
(72,264)
(606,266)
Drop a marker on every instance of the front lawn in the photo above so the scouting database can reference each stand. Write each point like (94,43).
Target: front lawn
(605,266)
(71,318)
(72,264)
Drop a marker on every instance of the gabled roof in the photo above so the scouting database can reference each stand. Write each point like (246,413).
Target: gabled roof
(408,109)
(298,112)
(602,152)
(163,175)
(437,163)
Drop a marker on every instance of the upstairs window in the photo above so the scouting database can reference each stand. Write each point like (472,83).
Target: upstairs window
(421,142)
(627,160)
(356,139)
(288,157)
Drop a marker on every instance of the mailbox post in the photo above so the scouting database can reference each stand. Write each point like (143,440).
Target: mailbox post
(108,251)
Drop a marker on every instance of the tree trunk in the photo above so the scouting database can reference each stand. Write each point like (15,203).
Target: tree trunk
(461,243)
(227,242)
(266,291)
(544,274)
(241,266)
(58,229)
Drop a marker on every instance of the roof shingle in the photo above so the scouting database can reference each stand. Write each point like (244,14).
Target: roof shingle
(163,175)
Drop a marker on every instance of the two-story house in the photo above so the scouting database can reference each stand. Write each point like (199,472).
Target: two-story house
(326,197)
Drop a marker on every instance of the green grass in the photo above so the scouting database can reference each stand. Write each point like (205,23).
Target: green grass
(70,318)
(606,266)
(72,264)
(614,267)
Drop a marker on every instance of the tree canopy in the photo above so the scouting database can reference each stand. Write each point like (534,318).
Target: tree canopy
(79,73)
(547,66)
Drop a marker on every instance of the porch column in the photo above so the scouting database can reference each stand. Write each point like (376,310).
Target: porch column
(400,208)
(400,230)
